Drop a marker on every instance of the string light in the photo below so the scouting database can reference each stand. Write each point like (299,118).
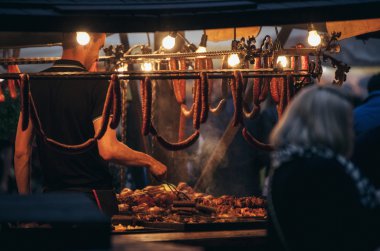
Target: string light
(168,42)
(282,60)
(201,49)
(233,60)
(313,38)
(83,38)
(147,66)
(202,44)
(123,67)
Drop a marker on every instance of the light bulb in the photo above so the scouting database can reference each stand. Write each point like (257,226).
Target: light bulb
(122,68)
(233,60)
(282,60)
(83,38)
(201,49)
(314,39)
(168,42)
(147,66)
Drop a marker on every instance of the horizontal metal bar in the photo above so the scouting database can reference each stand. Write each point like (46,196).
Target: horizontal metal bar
(166,56)
(212,74)
(39,60)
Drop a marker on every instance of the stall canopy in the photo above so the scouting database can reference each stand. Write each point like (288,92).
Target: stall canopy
(150,15)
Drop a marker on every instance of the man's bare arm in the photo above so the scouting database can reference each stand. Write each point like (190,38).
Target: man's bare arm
(23,151)
(111,149)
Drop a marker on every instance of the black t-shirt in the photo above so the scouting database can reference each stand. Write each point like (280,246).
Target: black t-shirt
(67,109)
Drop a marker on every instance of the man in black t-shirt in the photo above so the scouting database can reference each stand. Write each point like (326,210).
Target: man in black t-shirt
(70,112)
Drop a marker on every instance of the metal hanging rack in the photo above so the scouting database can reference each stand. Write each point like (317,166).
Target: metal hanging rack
(163,74)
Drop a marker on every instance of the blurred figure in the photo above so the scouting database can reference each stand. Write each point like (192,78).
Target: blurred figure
(366,154)
(367,128)
(366,116)
(318,200)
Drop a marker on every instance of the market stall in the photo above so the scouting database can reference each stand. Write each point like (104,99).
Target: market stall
(174,88)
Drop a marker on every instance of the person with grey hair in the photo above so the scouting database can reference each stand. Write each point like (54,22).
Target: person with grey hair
(317,199)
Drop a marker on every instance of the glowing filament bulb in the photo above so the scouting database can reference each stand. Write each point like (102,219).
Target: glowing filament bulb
(83,38)
(122,68)
(168,42)
(282,60)
(201,49)
(147,66)
(233,60)
(314,39)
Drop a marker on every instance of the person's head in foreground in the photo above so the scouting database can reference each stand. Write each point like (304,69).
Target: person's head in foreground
(319,116)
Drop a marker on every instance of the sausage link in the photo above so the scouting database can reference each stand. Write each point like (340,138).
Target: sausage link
(184,203)
(53,143)
(2,97)
(12,82)
(257,82)
(106,113)
(274,92)
(25,109)
(237,92)
(187,113)
(205,209)
(175,146)
(116,106)
(283,97)
(266,82)
(209,66)
(254,142)
(146,96)
(197,96)
(224,91)
(204,97)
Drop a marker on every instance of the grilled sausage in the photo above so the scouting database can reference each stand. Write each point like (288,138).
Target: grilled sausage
(184,203)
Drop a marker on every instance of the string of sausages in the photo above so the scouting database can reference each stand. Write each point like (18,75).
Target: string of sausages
(112,103)
(237,97)
(148,127)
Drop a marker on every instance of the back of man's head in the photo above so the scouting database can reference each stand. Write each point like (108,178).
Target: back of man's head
(69,40)
(374,83)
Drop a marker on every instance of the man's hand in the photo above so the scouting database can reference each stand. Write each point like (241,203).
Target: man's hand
(158,170)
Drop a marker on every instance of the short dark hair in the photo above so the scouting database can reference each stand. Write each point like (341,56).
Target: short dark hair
(69,39)
(374,83)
